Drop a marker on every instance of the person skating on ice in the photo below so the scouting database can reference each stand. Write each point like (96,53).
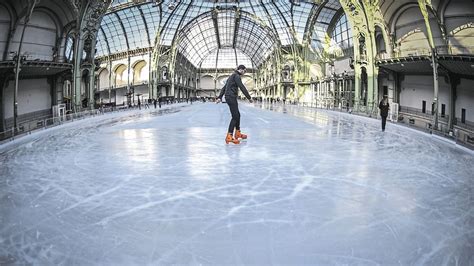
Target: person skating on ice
(384,107)
(230,90)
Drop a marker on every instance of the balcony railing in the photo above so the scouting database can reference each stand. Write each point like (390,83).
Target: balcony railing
(426,114)
(141,82)
(33,116)
(121,86)
(457,50)
(467,124)
(440,50)
(49,57)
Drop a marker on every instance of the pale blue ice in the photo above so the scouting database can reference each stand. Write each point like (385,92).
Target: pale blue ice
(308,187)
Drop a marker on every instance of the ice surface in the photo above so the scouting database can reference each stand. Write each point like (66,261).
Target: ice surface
(307,187)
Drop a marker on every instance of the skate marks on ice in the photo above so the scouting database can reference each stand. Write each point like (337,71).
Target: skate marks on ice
(306,188)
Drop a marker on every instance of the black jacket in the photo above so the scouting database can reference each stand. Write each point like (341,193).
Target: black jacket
(383,109)
(231,87)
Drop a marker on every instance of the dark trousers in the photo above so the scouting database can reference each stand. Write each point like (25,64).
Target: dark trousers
(384,121)
(234,110)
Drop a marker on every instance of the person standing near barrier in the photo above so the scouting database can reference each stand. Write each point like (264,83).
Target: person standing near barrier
(384,107)
(230,90)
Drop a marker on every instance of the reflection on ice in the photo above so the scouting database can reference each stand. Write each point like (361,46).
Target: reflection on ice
(307,187)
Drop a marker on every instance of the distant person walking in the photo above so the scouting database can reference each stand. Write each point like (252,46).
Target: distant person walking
(384,107)
(230,90)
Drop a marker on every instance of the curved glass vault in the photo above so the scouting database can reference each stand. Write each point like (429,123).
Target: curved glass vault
(226,59)
(225,29)
(201,27)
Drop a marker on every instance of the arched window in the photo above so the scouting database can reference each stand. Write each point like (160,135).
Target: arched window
(121,76)
(69,48)
(103,79)
(140,72)
(342,33)
(164,73)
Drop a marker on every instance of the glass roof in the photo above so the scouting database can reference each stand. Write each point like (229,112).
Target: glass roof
(129,28)
(225,59)
(208,31)
(131,24)
(342,34)
(322,23)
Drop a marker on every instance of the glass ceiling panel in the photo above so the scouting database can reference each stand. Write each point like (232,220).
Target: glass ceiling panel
(333,4)
(210,60)
(300,17)
(243,59)
(276,15)
(342,33)
(319,35)
(226,26)
(199,37)
(226,58)
(101,45)
(134,27)
(114,33)
(258,11)
(274,11)
(181,17)
(152,19)
(199,40)
(69,48)
(254,44)
(172,24)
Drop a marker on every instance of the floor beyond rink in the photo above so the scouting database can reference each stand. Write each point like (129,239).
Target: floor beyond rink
(308,187)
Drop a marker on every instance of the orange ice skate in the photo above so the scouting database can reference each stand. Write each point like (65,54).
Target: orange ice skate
(239,135)
(229,138)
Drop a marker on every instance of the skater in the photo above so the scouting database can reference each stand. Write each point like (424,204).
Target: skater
(139,104)
(155,102)
(384,107)
(230,90)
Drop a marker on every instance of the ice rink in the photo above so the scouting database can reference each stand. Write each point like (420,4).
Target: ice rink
(308,187)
